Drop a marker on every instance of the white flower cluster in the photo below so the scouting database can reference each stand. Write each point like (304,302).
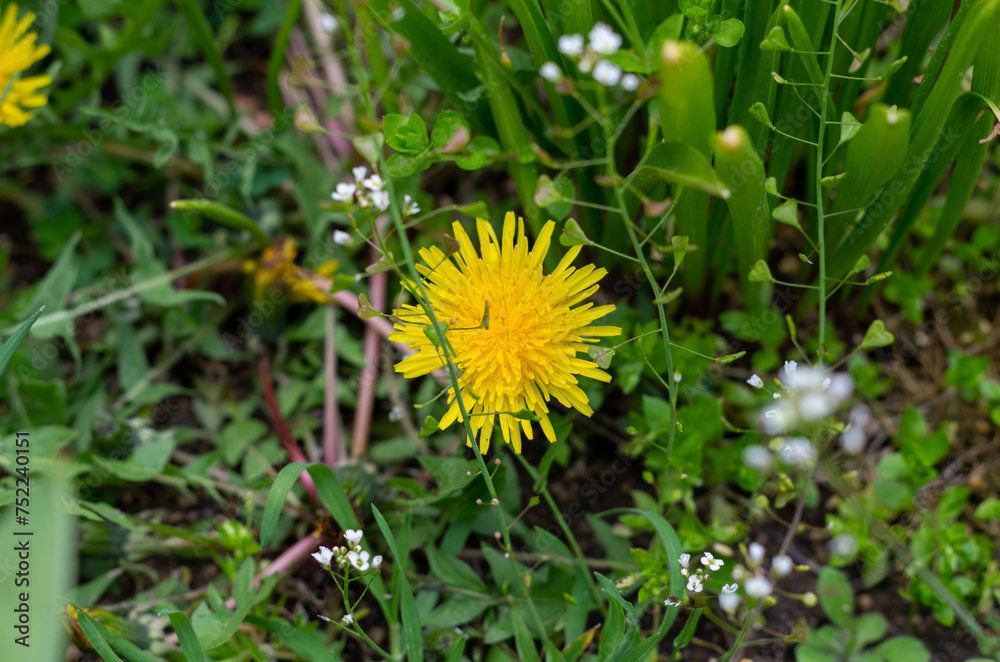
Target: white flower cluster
(369,192)
(757,583)
(698,576)
(349,556)
(810,395)
(589,57)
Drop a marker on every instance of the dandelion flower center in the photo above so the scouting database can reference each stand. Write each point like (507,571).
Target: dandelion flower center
(515,330)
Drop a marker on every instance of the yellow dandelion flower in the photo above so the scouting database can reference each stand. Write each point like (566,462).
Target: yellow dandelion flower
(525,352)
(276,266)
(18,51)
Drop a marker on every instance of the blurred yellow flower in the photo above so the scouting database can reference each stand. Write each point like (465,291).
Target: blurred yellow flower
(276,266)
(17,53)
(515,331)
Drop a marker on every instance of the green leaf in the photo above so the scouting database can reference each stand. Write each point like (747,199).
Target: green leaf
(185,635)
(835,596)
(728,33)
(909,649)
(869,628)
(612,633)
(669,297)
(10,346)
(280,488)
(877,336)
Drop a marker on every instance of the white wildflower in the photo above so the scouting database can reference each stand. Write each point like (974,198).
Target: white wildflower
(571,45)
(755,381)
(694,584)
(729,588)
(606,73)
(630,82)
(781,565)
(324,556)
(684,560)
(376,562)
(410,207)
(381,200)
(341,238)
(672,601)
(328,22)
(712,562)
(359,173)
(790,367)
(757,457)
(604,40)
(550,71)
(374,183)
(347,619)
(396,414)
(585,66)
(758,587)
(344,192)
(359,561)
(729,602)
(797,452)
(844,546)
(755,554)
(354,537)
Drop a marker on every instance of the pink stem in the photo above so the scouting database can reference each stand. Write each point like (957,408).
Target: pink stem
(333,448)
(369,376)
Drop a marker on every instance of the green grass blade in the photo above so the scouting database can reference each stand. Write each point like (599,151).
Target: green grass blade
(280,488)
(93,630)
(922,24)
(509,123)
(202,34)
(333,496)
(753,80)
(927,128)
(277,60)
(10,346)
(687,115)
(971,155)
(185,635)
(412,630)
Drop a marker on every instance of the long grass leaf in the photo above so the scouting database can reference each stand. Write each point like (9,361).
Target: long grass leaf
(740,168)
(412,631)
(11,344)
(276,61)
(202,34)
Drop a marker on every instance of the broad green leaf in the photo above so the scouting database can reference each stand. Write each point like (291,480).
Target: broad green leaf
(835,596)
